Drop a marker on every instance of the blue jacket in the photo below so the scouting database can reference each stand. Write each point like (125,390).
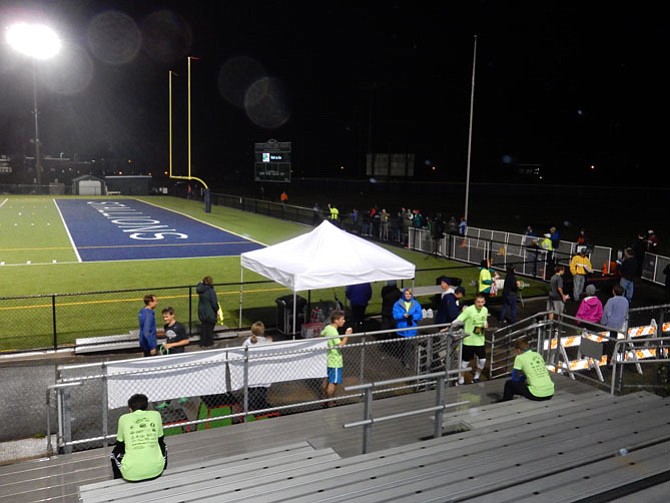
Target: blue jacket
(147,322)
(449,309)
(414,312)
(359,295)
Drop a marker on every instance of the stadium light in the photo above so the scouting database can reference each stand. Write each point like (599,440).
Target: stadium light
(39,42)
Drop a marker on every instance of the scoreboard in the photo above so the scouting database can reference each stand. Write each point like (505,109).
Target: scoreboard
(272,161)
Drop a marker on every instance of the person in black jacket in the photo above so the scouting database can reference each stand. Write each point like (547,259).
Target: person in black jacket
(628,270)
(208,305)
(510,287)
(450,306)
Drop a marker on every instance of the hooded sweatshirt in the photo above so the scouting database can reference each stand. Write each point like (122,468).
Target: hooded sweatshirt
(591,310)
(412,308)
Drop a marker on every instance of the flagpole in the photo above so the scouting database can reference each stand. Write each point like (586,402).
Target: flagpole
(472,104)
(189,116)
(170,73)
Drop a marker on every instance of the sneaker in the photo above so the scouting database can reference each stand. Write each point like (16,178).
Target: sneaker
(475,380)
(163,405)
(183,400)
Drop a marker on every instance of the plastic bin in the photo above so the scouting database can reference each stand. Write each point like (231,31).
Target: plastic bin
(285,313)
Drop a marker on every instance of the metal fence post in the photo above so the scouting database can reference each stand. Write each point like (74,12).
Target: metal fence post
(246,383)
(105,419)
(439,400)
(361,373)
(367,428)
(53,321)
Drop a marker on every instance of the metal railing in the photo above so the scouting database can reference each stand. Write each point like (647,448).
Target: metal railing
(438,378)
(218,387)
(591,353)
(199,390)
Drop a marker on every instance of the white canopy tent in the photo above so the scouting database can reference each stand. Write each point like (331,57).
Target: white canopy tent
(324,258)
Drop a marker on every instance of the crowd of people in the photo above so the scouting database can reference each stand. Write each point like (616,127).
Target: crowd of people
(140,452)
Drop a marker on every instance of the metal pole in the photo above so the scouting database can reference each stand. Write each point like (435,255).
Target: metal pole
(367,428)
(246,384)
(38,162)
(53,322)
(104,382)
(189,116)
(472,105)
(439,401)
(170,72)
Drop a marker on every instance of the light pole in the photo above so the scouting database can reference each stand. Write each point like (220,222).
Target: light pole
(38,42)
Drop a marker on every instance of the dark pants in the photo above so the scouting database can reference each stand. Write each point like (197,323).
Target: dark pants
(119,452)
(206,334)
(520,388)
(358,316)
(509,302)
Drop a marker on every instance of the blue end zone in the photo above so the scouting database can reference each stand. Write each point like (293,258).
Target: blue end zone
(130,230)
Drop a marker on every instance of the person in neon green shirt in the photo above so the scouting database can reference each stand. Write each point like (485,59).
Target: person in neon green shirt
(530,377)
(334,360)
(140,452)
(486,278)
(475,321)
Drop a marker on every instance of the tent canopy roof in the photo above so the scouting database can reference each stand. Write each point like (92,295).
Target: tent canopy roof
(324,258)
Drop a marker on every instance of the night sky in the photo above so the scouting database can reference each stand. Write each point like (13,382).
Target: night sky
(559,85)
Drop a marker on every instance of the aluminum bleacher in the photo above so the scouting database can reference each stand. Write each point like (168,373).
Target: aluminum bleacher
(490,452)
(502,452)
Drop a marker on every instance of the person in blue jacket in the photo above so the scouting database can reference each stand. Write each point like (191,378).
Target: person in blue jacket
(407,313)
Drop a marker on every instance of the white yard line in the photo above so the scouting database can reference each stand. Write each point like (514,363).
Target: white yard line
(74,248)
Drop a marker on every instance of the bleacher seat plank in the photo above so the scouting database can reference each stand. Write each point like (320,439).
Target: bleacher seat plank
(493,415)
(179,485)
(176,469)
(458,471)
(583,482)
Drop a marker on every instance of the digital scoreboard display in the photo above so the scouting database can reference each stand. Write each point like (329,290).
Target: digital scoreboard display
(272,161)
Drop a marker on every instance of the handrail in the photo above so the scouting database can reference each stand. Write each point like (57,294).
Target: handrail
(438,408)
(57,388)
(634,360)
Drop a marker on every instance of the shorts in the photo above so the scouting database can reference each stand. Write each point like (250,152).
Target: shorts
(556,306)
(470,351)
(335,375)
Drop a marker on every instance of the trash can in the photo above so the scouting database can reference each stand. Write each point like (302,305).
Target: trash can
(285,313)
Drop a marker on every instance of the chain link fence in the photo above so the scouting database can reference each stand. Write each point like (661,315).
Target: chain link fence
(62,321)
(208,389)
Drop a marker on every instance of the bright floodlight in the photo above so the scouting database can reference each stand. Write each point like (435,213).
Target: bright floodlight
(35,40)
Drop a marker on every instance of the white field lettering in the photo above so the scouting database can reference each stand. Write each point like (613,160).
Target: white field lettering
(135,223)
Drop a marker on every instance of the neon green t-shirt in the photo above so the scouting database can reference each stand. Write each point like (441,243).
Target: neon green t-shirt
(474,321)
(334,359)
(537,376)
(140,431)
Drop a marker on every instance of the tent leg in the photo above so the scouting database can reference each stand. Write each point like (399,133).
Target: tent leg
(239,323)
(295,309)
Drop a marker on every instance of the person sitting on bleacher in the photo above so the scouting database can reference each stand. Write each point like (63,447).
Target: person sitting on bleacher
(530,377)
(140,452)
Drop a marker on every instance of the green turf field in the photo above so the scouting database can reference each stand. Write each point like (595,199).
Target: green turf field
(102,298)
